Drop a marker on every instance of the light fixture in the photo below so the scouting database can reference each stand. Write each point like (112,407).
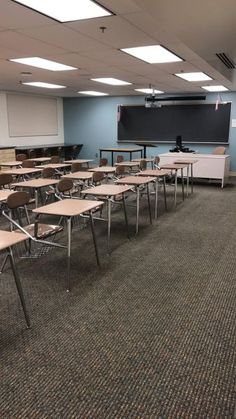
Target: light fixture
(149,91)
(93,93)
(43,63)
(153,54)
(194,76)
(44,85)
(67,10)
(218,88)
(112,81)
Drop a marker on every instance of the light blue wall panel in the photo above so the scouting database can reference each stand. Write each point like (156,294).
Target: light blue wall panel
(93,122)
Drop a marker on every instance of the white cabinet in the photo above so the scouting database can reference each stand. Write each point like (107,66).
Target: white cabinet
(209,166)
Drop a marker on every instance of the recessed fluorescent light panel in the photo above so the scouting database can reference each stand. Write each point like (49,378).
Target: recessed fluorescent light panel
(67,10)
(218,88)
(45,85)
(195,76)
(153,54)
(111,81)
(42,63)
(149,91)
(93,93)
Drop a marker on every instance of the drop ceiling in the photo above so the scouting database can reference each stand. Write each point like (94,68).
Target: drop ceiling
(195,31)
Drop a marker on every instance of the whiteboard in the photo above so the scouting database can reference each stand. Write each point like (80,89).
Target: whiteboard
(31,115)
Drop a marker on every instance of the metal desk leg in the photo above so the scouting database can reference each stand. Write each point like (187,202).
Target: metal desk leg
(164,190)
(156,197)
(94,237)
(182,178)
(191,177)
(36,198)
(149,204)
(108,223)
(68,253)
(137,209)
(112,158)
(125,213)
(187,180)
(18,285)
(175,191)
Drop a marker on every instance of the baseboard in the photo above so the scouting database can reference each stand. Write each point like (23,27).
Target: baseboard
(232,174)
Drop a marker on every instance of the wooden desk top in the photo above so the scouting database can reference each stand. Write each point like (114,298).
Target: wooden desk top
(154,172)
(36,183)
(147,159)
(54,165)
(130,150)
(127,163)
(79,175)
(4,194)
(9,238)
(103,169)
(106,190)
(68,207)
(186,161)
(81,161)
(40,159)
(11,163)
(23,171)
(173,166)
(135,180)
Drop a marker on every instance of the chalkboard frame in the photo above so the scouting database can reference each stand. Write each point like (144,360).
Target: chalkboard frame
(124,132)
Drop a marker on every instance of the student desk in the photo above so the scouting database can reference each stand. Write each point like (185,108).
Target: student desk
(70,208)
(7,240)
(36,185)
(146,159)
(121,150)
(129,164)
(80,161)
(175,167)
(136,183)
(40,159)
(103,169)
(13,163)
(109,192)
(157,174)
(23,172)
(189,162)
(80,177)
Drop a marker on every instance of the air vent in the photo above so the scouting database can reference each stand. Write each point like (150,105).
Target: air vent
(228,62)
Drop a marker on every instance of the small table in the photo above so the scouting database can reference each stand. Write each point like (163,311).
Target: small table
(36,184)
(175,167)
(157,173)
(7,240)
(189,162)
(108,192)
(137,182)
(121,150)
(70,208)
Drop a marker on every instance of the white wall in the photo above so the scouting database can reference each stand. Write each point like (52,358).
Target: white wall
(6,140)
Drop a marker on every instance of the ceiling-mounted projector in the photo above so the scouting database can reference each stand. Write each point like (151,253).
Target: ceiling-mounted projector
(152,101)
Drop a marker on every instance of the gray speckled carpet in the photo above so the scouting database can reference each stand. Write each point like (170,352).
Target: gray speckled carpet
(149,334)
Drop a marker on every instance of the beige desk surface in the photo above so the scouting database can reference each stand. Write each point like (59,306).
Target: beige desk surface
(185,161)
(36,183)
(81,161)
(40,159)
(54,165)
(23,171)
(4,193)
(147,159)
(130,150)
(154,172)
(135,180)
(173,166)
(107,190)
(103,169)
(11,163)
(9,238)
(78,175)
(68,207)
(128,163)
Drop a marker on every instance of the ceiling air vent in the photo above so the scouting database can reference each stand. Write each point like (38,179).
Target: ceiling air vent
(228,62)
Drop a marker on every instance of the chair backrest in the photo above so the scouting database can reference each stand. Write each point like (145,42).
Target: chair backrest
(17,199)
(76,167)
(64,188)
(120,171)
(28,163)
(103,162)
(32,153)
(157,162)
(5,180)
(143,165)
(219,150)
(97,178)
(119,158)
(55,159)
(21,157)
(48,172)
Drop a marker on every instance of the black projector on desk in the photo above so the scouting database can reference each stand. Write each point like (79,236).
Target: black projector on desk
(179,146)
